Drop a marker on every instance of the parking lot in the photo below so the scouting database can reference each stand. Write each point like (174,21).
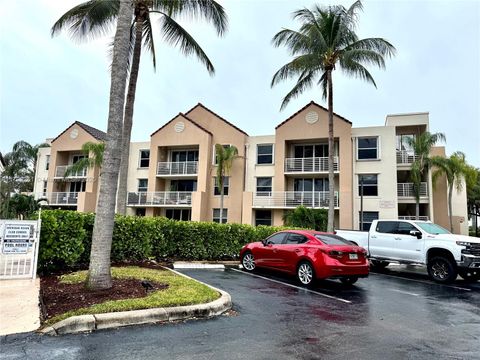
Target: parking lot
(398,314)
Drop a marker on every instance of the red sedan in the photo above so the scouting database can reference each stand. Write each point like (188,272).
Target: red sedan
(309,255)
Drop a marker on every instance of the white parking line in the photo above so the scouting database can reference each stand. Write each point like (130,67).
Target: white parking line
(404,292)
(293,286)
(421,281)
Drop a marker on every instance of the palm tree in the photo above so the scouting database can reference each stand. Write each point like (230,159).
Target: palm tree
(99,274)
(96,151)
(94,18)
(327,39)
(26,155)
(456,171)
(225,155)
(422,146)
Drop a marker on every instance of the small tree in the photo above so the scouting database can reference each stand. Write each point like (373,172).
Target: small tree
(224,157)
(456,171)
(307,218)
(96,150)
(19,206)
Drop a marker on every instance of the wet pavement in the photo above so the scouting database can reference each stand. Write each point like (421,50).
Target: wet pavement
(398,314)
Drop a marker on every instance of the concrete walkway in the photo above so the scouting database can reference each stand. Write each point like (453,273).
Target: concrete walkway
(19,309)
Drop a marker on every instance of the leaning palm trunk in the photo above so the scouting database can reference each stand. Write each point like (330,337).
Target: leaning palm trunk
(99,276)
(222,194)
(450,191)
(128,120)
(331,176)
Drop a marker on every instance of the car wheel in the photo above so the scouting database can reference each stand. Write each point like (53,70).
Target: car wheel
(379,265)
(469,275)
(441,270)
(349,280)
(305,273)
(248,261)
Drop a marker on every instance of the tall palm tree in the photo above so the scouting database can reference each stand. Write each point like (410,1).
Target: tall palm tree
(456,170)
(94,157)
(99,274)
(94,17)
(224,158)
(26,155)
(422,146)
(327,39)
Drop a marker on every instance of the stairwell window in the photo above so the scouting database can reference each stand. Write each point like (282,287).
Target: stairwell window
(226,185)
(367,148)
(144,158)
(264,154)
(142,185)
(47,162)
(370,185)
(216,215)
(368,217)
(264,186)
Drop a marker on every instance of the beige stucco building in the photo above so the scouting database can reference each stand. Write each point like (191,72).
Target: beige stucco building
(173,174)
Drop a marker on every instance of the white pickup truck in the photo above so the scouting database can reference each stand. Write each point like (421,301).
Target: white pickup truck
(420,242)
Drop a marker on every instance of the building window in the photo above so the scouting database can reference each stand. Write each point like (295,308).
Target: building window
(142,185)
(367,148)
(264,186)
(216,215)
(263,217)
(44,190)
(144,158)
(140,211)
(265,154)
(368,217)
(47,162)
(179,156)
(178,214)
(403,142)
(370,185)
(309,151)
(226,185)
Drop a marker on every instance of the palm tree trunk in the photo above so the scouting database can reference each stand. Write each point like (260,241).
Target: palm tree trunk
(417,208)
(128,120)
(450,191)
(99,276)
(331,178)
(220,183)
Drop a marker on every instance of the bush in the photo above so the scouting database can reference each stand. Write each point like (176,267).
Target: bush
(302,217)
(66,239)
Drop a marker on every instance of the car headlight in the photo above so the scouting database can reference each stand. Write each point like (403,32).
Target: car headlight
(463,243)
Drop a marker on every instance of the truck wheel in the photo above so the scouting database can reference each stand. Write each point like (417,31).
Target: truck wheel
(470,275)
(442,270)
(379,265)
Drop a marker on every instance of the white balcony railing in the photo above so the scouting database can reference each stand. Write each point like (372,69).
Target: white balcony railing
(406,189)
(406,157)
(160,198)
(177,168)
(60,172)
(422,218)
(314,164)
(292,199)
(59,198)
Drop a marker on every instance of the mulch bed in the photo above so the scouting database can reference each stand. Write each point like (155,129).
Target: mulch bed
(58,298)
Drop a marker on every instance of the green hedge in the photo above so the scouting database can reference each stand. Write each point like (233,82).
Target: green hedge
(66,239)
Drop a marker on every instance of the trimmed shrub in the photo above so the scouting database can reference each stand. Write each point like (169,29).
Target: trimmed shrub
(66,239)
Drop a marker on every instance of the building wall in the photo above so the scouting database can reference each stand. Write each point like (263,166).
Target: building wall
(135,172)
(385,168)
(41,172)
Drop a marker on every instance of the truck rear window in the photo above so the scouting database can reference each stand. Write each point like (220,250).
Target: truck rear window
(387,227)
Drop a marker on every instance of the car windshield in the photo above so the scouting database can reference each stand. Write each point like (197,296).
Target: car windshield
(332,239)
(432,228)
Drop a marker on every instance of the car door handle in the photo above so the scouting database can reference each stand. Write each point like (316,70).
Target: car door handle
(373,237)
(397,238)
(297,250)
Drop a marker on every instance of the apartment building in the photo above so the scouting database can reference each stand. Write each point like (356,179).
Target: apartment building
(173,174)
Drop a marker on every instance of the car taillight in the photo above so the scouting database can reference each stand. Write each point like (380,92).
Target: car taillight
(335,253)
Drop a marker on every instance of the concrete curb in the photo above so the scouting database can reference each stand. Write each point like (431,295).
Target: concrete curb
(89,323)
(182,265)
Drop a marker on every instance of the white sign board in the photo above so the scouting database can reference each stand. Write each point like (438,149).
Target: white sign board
(387,204)
(17,238)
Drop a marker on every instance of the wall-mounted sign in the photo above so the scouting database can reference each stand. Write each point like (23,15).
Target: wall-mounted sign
(17,238)
(387,204)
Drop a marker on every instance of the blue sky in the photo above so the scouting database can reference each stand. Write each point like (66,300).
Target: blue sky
(47,83)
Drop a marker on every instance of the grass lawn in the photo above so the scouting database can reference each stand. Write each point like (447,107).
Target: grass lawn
(180,291)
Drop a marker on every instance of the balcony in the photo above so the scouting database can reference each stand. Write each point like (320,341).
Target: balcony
(174,169)
(60,173)
(421,218)
(292,199)
(406,190)
(406,157)
(59,198)
(160,199)
(309,165)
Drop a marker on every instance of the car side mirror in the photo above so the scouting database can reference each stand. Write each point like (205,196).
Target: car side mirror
(416,233)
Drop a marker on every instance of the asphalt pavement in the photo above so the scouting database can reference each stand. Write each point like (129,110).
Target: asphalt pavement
(398,314)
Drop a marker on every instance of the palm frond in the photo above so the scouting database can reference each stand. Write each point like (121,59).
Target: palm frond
(304,82)
(378,45)
(148,39)
(88,20)
(295,41)
(209,10)
(175,34)
(356,69)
